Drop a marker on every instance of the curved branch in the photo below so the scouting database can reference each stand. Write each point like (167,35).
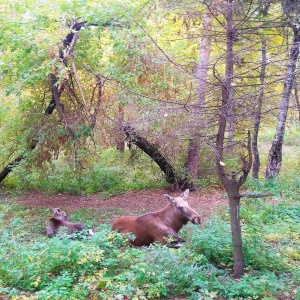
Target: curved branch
(152,150)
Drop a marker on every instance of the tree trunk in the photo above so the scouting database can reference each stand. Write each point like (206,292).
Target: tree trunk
(201,74)
(256,160)
(120,140)
(236,232)
(275,153)
(10,167)
(297,100)
(231,117)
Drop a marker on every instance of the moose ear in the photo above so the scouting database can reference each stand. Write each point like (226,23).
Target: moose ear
(185,194)
(169,198)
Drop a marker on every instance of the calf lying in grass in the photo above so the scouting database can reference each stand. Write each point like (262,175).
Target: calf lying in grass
(60,219)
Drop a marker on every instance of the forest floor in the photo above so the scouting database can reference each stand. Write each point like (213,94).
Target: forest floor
(205,202)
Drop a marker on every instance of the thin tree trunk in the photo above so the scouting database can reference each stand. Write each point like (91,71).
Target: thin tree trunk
(201,74)
(231,117)
(275,153)
(297,100)
(256,160)
(120,140)
(236,231)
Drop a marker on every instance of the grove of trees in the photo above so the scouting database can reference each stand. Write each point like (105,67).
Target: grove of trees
(189,83)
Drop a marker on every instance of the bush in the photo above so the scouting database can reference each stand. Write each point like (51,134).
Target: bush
(113,175)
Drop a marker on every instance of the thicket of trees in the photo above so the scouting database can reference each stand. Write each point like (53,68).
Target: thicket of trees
(174,78)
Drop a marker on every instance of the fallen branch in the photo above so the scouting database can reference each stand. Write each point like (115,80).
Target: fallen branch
(256,195)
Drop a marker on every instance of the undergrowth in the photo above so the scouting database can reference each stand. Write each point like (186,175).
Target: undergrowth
(104,266)
(114,173)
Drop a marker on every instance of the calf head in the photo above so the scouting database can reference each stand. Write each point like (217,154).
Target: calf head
(182,207)
(60,215)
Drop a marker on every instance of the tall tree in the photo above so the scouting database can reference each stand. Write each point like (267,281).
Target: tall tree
(275,153)
(201,77)
(67,50)
(232,182)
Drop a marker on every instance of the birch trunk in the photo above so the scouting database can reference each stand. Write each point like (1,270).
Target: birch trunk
(275,153)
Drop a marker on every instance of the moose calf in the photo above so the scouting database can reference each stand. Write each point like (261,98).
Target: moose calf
(59,219)
(157,226)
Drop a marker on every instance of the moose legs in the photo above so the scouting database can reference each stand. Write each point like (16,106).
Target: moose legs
(168,232)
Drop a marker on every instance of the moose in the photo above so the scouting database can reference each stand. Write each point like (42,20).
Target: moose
(157,226)
(59,219)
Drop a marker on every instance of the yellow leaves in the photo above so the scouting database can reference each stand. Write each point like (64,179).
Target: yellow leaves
(292,253)
(274,237)
(24,297)
(83,260)
(96,256)
(36,282)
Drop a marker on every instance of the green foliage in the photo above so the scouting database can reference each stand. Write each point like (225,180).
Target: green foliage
(291,136)
(112,175)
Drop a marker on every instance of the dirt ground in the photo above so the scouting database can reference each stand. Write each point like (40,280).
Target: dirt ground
(204,202)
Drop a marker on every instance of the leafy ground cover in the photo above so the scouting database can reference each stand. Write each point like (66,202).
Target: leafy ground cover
(104,266)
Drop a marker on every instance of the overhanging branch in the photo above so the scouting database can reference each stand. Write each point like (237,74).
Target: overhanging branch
(151,150)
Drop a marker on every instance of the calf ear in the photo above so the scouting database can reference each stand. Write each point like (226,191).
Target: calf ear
(185,194)
(169,198)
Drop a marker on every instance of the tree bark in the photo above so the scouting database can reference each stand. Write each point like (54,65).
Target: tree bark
(152,150)
(275,153)
(236,231)
(120,141)
(297,100)
(201,74)
(256,160)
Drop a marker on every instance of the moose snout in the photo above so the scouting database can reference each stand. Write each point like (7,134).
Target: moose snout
(196,220)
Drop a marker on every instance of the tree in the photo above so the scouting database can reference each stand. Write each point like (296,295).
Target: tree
(231,183)
(201,75)
(67,50)
(275,153)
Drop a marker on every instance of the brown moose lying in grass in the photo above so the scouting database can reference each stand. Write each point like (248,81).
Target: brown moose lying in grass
(157,226)
(60,219)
